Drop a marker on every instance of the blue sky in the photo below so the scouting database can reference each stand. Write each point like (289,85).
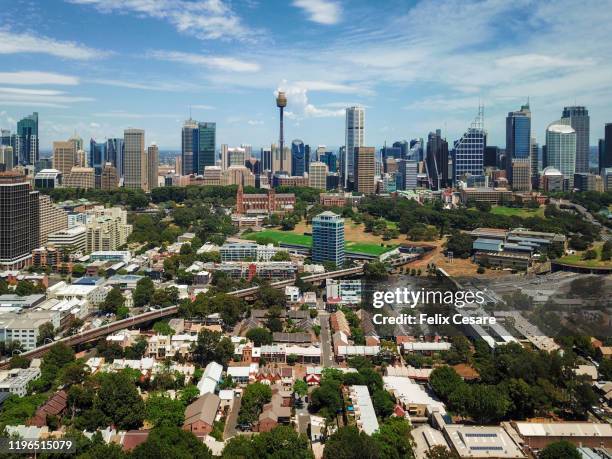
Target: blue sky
(99,66)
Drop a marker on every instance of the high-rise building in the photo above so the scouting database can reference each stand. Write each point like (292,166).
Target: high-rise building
(64,157)
(178,164)
(491,156)
(601,150)
(110,178)
(7,157)
(298,158)
(561,150)
(77,142)
(436,160)
(328,238)
(578,118)
(280,161)
(317,177)
(307,157)
(406,176)
(266,159)
(354,137)
(80,177)
(27,139)
(468,152)
(152,166)
(224,156)
(521,174)
(48,179)
(107,229)
(535,163)
(365,166)
(329,158)
(605,156)
(236,156)
(134,160)
(51,218)
(19,221)
(518,139)
(114,153)
(97,158)
(190,130)
(404,147)
(204,148)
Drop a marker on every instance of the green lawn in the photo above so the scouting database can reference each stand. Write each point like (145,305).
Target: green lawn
(517,211)
(288,237)
(577,260)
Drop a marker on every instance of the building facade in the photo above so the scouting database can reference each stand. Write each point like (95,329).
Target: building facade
(561,150)
(354,137)
(134,159)
(364,163)
(578,118)
(328,238)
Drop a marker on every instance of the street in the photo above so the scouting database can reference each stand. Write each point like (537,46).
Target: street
(327,356)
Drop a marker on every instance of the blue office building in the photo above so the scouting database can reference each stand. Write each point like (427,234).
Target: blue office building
(97,159)
(328,238)
(298,158)
(114,154)
(330,159)
(27,139)
(518,137)
(468,151)
(204,145)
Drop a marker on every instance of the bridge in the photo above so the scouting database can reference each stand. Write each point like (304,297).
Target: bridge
(89,335)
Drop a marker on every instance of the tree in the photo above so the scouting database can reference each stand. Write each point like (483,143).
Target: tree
(444,380)
(120,401)
(349,443)
(292,359)
(326,399)
(393,439)
(45,332)
(259,336)
(300,387)
(255,396)
(78,270)
(74,373)
(189,394)
(161,327)
(589,255)
(441,452)
(113,301)
(560,449)
(161,410)
(375,270)
(18,361)
(383,403)
(213,346)
(606,251)
(281,255)
(171,442)
(143,292)
(282,442)
(460,244)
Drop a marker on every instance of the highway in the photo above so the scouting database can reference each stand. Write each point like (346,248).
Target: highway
(89,335)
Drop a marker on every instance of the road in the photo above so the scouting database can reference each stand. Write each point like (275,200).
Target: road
(327,355)
(232,418)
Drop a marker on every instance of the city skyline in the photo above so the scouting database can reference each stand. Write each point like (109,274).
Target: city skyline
(151,65)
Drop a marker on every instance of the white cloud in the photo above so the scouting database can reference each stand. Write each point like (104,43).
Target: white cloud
(223,63)
(325,12)
(145,86)
(255,122)
(131,115)
(202,107)
(299,107)
(13,43)
(45,97)
(37,78)
(203,19)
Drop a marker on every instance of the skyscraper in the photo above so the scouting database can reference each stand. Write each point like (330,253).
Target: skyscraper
(266,159)
(27,139)
(134,159)
(561,150)
(19,221)
(329,158)
(518,140)
(365,165)
(578,118)
(114,153)
(606,158)
(436,160)
(64,157)
(354,137)
(188,133)
(97,159)
(152,166)
(204,147)
(328,238)
(298,158)
(7,157)
(468,152)
(535,163)
(307,157)
(317,177)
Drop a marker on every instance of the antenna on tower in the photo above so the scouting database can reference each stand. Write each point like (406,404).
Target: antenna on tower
(189,111)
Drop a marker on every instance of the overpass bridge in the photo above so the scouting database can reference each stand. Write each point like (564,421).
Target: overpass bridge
(90,335)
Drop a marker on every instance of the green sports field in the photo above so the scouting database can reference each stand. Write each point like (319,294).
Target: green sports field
(517,211)
(289,237)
